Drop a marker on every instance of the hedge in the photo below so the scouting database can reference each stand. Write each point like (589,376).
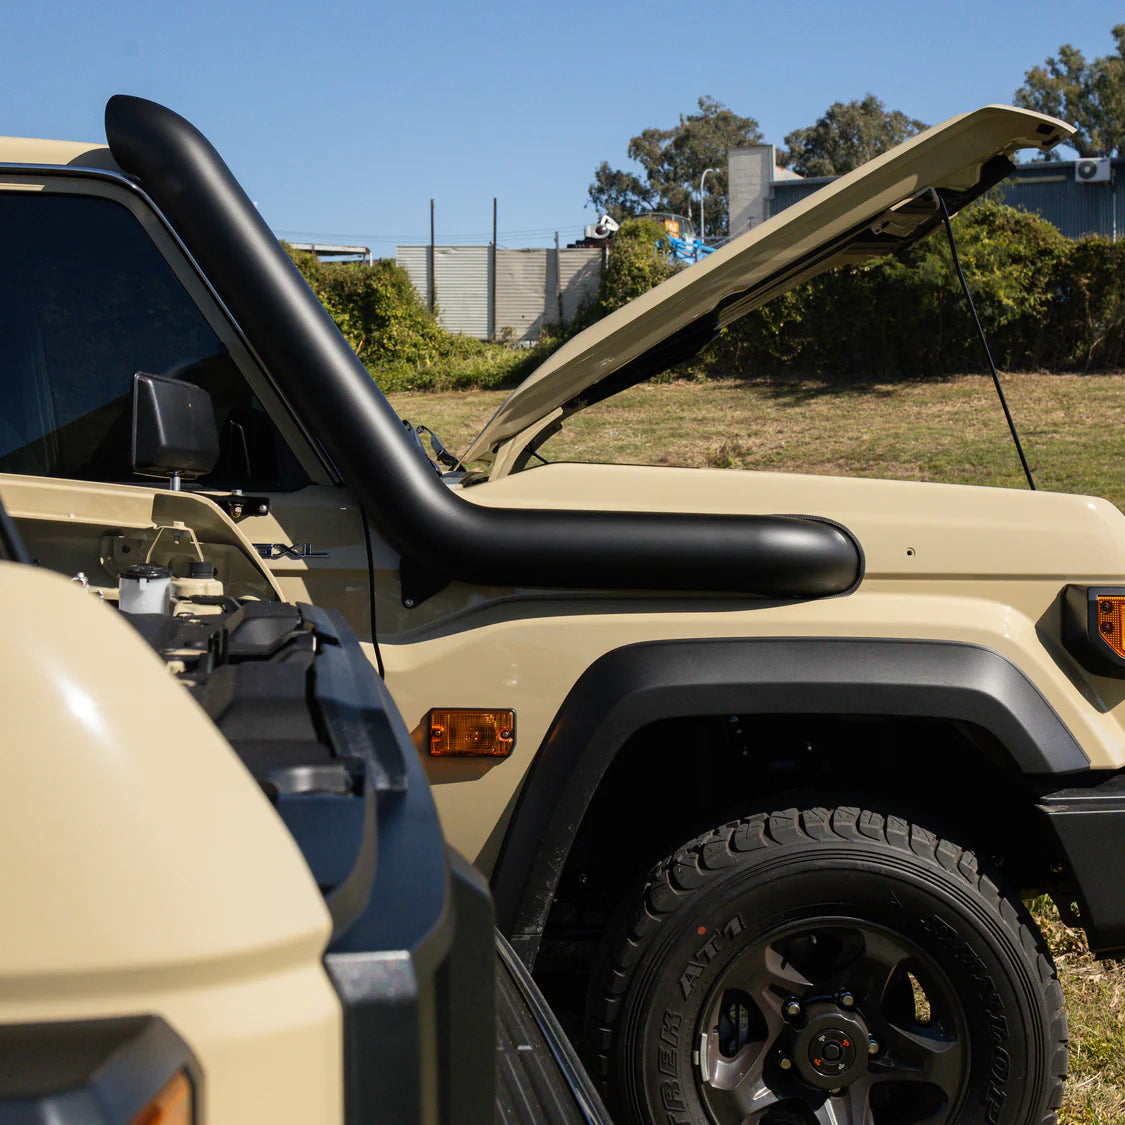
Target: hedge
(1046,303)
(396,336)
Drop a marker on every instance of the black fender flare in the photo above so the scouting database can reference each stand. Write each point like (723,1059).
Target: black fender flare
(631,687)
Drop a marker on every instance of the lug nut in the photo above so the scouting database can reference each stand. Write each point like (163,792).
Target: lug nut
(846,1000)
(872,1045)
(785,1062)
(793,1009)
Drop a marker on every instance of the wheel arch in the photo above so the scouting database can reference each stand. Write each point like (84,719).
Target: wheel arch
(632,687)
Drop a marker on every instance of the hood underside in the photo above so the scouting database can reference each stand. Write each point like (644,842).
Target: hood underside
(888,203)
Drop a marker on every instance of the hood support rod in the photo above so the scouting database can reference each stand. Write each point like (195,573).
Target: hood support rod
(984,342)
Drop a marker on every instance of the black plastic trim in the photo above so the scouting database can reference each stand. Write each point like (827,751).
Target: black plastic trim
(173,431)
(633,686)
(1089,826)
(12,545)
(316,370)
(541,1078)
(413,965)
(357,706)
(88,1072)
(467,998)
(411,951)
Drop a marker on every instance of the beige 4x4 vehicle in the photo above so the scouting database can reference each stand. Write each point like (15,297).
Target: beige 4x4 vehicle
(228,895)
(927,680)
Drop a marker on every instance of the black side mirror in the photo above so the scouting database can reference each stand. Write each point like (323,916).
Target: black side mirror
(174,431)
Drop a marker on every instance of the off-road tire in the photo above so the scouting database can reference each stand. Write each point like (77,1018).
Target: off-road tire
(884,898)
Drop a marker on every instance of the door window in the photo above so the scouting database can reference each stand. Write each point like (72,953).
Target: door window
(87,300)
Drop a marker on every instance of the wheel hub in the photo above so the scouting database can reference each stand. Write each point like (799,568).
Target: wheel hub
(831,1049)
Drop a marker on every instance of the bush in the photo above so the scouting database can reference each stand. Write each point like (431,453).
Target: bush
(1088,318)
(395,335)
(1044,302)
(636,263)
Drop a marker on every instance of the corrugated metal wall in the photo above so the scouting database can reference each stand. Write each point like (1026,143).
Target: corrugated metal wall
(461,299)
(1046,188)
(525,290)
(1075,208)
(416,261)
(525,293)
(580,270)
(460,286)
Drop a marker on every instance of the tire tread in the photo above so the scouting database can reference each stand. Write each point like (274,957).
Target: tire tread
(673,880)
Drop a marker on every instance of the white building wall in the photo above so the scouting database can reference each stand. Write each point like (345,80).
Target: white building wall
(751,173)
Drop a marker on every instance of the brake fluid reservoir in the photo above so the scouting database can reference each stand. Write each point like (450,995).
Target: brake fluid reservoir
(200,582)
(145,588)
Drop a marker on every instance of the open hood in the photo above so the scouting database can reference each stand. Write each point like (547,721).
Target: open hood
(887,203)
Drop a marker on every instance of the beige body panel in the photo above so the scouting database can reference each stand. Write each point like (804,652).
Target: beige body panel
(98,529)
(144,870)
(954,531)
(525,649)
(28,150)
(334,573)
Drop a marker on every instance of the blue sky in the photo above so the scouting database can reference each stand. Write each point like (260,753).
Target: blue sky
(343,119)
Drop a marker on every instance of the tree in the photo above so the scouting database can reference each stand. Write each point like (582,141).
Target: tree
(617,193)
(846,136)
(672,162)
(1090,95)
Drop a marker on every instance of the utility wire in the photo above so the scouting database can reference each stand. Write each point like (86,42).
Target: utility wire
(466,238)
(984,341)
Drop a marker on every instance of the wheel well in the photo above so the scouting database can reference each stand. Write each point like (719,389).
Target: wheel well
(676,778)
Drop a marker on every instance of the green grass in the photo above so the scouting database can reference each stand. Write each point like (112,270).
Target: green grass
(1073,428)
(1095,1000)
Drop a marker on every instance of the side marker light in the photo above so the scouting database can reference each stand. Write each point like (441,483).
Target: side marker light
(465,733)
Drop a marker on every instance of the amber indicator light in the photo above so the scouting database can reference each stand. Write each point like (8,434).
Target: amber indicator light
(172,1106)
(1111,608)
(464,733)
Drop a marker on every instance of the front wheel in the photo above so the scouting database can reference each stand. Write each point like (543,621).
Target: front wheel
(832,967)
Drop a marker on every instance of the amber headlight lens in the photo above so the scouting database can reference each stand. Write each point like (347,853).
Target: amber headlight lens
(172,1106)
(123,1070)
(1109,623)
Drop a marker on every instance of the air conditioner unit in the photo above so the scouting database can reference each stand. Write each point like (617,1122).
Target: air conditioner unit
(606,226)
(1094,170)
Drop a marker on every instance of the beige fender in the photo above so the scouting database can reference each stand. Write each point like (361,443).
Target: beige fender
(143,871)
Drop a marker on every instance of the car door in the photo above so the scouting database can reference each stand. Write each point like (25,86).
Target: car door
(93,288)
